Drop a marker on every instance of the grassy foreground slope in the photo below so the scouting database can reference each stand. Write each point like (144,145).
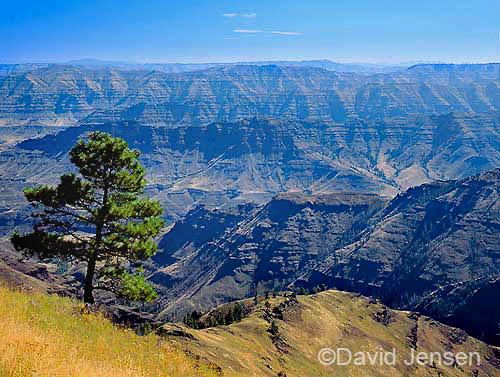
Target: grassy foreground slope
(331,319)
(46,335)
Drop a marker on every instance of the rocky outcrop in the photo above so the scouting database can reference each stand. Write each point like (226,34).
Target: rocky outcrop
(29,274)
(250,162)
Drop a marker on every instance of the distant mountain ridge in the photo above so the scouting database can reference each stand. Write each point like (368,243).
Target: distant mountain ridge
(362,68)
(14,68)
(189,67)
(69,95)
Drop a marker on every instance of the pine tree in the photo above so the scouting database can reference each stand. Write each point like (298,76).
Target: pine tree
(229,317)
(273,329)
(238,311)
(98,217)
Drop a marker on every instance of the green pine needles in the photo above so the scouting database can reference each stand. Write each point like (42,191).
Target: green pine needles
(98,216)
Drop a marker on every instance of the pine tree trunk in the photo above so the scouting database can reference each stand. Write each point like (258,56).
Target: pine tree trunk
(88,295)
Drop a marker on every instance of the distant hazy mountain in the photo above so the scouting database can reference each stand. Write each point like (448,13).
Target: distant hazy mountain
(189,67)
(68,94)
(360,68)
(7,69)
(97,62)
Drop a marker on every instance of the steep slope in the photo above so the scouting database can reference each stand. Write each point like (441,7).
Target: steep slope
(427,237)
(414,251)
(68,94)
(331,319)
(428,241)
(270,247)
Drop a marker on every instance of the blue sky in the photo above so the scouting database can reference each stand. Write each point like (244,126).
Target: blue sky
(236,30)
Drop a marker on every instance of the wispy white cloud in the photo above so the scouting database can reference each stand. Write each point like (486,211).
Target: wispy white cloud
(285,32)
(277,32)
(247,31)
(242,15)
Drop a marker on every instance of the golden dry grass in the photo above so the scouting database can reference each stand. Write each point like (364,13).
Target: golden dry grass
(331,319)
(42,335)
(45,335)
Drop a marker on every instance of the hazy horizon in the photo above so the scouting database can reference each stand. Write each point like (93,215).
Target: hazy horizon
(206,31)
(98,61)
